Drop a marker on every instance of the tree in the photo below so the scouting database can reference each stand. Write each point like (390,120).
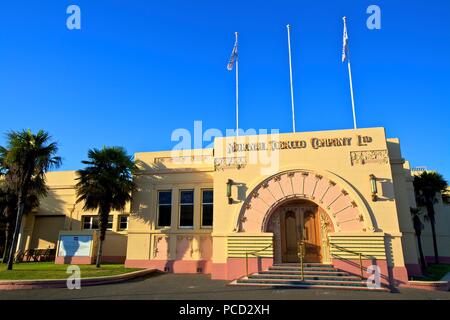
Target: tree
(25,160)
(105,184)
(8,207)
(418,227)
(426,187)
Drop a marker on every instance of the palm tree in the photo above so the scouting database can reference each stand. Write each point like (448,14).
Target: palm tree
(25,160)
(105,184)
(8,207)
(426,187)
(418,227)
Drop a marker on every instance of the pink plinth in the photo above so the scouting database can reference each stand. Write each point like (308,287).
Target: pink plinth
(414,269)
(74,260)
(236,267)
(175,266)
(88,260)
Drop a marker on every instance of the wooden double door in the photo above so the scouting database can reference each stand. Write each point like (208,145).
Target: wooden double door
(300,223)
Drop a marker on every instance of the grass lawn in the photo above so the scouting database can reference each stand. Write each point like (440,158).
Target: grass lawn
(434,272)
(437,271)
(49,270)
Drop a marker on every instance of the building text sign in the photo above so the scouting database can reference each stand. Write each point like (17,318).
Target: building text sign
(314,143)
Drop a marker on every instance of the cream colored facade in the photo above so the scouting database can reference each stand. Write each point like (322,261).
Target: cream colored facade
(59,212)
(323,176)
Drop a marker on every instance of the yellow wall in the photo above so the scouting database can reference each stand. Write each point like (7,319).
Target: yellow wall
(162,171)
(60,203)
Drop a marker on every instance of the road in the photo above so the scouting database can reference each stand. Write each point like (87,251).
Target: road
(193,287)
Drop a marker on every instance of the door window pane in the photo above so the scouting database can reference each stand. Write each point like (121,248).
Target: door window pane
(164,208)
(207,208)
(187,208)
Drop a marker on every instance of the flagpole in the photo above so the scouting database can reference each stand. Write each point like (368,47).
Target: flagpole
(350,78)
(290,75)
(351,92)
(237,89)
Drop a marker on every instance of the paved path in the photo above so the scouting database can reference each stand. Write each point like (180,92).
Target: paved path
(179,286)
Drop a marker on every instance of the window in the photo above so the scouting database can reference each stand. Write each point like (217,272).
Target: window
(207,208)
(123,222)
(186,209)
(91,222)
(164,208)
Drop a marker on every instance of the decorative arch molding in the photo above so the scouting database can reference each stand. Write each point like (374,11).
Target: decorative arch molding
(345,208)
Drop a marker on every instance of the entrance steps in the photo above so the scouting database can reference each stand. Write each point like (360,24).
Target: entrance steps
(316,275)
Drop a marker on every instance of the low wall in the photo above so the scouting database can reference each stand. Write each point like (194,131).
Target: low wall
(89,260)
(62,283)
(173,266)
(235,268)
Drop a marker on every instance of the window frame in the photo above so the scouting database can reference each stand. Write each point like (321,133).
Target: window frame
(186,204)
(207,203)
(164,204)
(91,222)
(119,221)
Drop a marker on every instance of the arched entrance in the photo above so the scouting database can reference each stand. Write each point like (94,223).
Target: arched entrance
(294,221)
(329,203)
(344,208)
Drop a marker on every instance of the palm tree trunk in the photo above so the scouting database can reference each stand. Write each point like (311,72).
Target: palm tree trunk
(431,215)
(99,254)
(433,231)
(12,250)
(7,241)
(423,264)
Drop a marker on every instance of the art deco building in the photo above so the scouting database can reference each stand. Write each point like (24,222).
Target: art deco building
(343,197)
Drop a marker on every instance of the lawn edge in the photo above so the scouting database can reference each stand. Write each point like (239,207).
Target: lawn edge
(62,283)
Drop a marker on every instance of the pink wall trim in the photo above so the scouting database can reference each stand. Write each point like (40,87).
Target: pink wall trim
(442,259)
(113,259)
(74,260)
(414,269)
(174,266)
(429,285)
(394,276)
(89,260)
(235,267)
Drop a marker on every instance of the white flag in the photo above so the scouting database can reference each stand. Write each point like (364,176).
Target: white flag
(233,57)
(345,42)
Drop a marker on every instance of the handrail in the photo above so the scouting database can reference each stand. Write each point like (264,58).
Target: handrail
(359,254)
(253,253)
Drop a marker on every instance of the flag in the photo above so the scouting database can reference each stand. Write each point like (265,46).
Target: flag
(233,57)
(345,42)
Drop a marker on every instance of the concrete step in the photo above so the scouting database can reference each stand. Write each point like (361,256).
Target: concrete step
(357,283)
(298,272)
(279,268)
(307,286)
(316,275)
(307,264)
(263,275)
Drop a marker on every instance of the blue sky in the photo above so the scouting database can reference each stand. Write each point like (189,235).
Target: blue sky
(137,70)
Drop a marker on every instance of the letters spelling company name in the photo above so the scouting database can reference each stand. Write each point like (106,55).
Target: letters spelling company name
(315,143)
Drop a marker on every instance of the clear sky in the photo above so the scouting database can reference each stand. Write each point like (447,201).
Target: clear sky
(137,70)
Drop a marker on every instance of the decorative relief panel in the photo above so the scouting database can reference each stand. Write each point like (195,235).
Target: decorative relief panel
(229,163)
(184,248)
(369,156)
(184,159)
(161,247)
